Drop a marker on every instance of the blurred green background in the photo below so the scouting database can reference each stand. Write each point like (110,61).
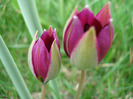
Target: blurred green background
(112,78)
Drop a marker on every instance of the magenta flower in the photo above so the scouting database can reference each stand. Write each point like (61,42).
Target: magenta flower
(44,56)
(88,38)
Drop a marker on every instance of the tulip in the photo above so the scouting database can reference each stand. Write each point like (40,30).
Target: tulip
(88,38)
(44,56)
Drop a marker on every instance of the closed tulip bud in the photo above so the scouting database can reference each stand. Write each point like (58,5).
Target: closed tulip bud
(44,56)
(88,38)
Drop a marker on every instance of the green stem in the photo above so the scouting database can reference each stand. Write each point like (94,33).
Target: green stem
(43,91)
(80,84)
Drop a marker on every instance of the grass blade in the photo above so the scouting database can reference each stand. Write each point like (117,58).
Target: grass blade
(61,10)
(13,71)
(55,89)
(30,15)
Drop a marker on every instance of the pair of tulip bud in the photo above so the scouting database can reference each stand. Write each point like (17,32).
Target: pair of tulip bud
(86,40)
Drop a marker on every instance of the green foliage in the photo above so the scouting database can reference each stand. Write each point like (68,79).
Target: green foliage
(111,79)
(13,71)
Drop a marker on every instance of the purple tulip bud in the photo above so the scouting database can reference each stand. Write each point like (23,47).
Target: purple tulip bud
(44,56)
(88,38)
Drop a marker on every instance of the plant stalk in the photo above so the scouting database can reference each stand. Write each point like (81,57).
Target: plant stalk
(43,91)
(81,82)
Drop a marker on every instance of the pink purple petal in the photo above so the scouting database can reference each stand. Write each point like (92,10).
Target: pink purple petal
(55,37)
(97,25)
(76,31)
(86,17)
(105,38)
(104,15)
(67,25)
(48,40)
(40,59)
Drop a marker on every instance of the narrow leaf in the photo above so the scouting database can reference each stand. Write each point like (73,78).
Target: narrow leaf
(30,15)
(13,71)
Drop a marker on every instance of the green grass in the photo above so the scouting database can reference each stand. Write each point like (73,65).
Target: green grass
(112,78)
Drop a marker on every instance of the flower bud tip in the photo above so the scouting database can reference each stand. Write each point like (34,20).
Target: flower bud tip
(75,17)
(86,6)
(109,3)
(111,20)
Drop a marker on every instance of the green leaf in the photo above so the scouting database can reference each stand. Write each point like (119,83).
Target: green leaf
(30,15)
(13,71)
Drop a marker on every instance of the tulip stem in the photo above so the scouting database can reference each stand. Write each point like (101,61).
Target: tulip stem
(80,84)
(43,91)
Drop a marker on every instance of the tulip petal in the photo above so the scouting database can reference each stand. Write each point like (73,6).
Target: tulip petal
(50,30)
(84,55)
(48,40)
(105,39)
(76,31)
(104,15)
(55,62)
(40,59)
(67,25)
(97,25)
(56,38)
(75,11)
(30,62)
(86,17)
